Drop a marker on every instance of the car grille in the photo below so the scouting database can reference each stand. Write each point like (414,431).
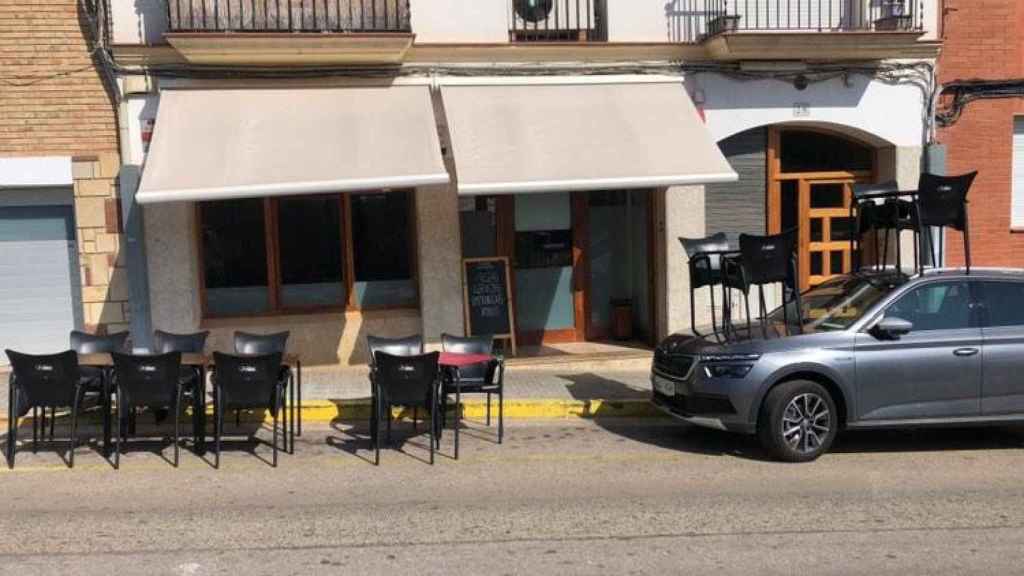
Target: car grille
(673,365)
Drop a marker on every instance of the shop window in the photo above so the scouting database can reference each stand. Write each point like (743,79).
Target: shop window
(307,257)
(234,257)
(383,251)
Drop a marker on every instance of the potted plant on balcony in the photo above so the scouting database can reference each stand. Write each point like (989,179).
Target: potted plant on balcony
(894,16)
(723,23)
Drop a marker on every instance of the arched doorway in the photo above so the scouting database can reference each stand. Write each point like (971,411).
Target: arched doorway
(811,173)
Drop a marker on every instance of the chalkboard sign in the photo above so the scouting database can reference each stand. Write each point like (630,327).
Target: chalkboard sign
(488,298)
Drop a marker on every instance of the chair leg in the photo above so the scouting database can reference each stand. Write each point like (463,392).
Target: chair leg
(275,439)
(35,428)
(415,419)
(74,432)
(53,420)
(967,241)
(376,434)
(387,420)
(118,433)
(763,313)
(12,425)
(488,408)
(218,427)
(433,430)
(501,414)
(177,428)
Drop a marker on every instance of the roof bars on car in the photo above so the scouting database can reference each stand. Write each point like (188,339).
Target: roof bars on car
(939,201)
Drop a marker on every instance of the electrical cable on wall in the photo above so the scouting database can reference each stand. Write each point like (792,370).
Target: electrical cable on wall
(963,92)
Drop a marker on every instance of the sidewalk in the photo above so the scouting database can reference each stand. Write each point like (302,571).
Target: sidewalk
(562,388)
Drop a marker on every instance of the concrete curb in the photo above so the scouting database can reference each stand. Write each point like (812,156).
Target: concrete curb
(326,411)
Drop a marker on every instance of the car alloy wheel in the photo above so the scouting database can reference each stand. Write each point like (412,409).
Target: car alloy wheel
(806,423)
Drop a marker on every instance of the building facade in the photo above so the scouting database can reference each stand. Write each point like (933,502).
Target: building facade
(329,173)
(985,41)
(60,234)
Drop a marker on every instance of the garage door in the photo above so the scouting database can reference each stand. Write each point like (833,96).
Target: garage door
(39,291)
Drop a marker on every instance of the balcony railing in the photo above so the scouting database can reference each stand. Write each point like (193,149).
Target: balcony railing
(696,20)
(288,15)
(558,21)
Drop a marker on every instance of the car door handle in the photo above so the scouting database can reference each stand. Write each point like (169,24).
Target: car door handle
(965,351)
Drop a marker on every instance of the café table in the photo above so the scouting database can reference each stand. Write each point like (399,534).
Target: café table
(203,363)
(453,363)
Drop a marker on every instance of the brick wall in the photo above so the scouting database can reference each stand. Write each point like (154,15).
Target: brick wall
(53,103)
(983,40)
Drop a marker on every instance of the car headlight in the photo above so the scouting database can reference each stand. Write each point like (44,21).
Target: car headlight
(735,371)
(734,366)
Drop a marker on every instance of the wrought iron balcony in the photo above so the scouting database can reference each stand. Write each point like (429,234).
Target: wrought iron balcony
(288,15)
(558,21)
(696,20)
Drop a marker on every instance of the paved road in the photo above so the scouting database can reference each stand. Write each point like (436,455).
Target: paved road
(562,497)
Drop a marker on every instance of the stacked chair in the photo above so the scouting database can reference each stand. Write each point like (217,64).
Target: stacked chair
(409,346)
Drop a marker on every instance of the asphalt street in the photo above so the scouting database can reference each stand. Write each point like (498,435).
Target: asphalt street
(565,497)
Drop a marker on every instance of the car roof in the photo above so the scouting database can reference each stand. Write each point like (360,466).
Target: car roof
(975,272)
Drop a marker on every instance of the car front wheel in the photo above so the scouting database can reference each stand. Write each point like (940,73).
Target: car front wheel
(798,421)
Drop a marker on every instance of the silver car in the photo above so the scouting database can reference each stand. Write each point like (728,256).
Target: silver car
(878,350)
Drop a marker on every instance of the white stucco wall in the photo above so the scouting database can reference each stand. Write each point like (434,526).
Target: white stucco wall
(485,21)
(638,20)
(138,21)
(878,112)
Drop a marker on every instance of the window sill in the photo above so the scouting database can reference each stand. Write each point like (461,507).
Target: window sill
(307,315)
(1016,229)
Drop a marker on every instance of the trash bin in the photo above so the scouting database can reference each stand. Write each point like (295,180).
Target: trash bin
(622,319)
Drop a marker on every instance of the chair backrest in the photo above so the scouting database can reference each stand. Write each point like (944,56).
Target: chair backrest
(470,345)
(705,270)
(164,342)
(942,200)
(407,346)
(246,343)
(407,380)
(866,190)
(247,381)
(44,380)
(769,259)
(147,380)
(85,343)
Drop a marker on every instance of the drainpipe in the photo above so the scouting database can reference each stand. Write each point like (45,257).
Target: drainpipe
(134,238)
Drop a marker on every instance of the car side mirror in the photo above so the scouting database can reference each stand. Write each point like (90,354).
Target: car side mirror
(891,328)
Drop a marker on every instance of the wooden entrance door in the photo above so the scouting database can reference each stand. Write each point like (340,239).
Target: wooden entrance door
(817,204)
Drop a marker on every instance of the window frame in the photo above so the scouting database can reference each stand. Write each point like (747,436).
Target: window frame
(1017,178)
(271,244)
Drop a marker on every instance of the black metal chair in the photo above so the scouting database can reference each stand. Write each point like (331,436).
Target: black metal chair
(147,381)
(409,381)
(405,346)
(192,377)
(42,381)
(942,202)
(707,270)
(477,379)
(772,260)
(879,208)
(97,380)
(261,344)
(247,383)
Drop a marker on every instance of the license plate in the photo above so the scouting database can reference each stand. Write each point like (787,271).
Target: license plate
(664,386)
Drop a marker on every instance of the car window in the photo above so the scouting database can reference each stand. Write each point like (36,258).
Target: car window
(939,306)
(1004,303)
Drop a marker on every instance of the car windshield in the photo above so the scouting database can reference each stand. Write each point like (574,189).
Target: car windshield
(839,302)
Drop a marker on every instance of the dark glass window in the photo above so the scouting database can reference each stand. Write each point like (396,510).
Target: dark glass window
(309,240)
(311,251)
(940,306)
(809,151)
(234,257)
(1004,303)
(382,250)
(544,249)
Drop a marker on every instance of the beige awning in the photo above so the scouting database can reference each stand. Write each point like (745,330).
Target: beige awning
(220,144)
(577,135)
